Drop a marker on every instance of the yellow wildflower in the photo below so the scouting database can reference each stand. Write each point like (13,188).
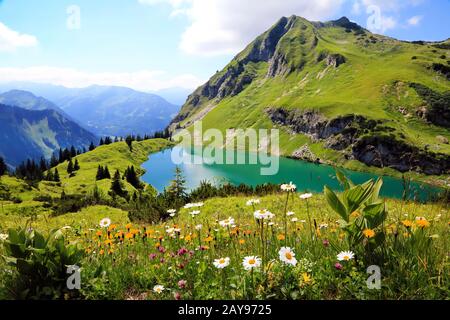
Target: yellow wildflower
(306,278)
(422,223)
(355,214)
(281,237)
(369,233)
(407,223)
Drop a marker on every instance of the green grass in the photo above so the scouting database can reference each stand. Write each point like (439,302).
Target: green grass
(373,83)
(116,156)
(415,267)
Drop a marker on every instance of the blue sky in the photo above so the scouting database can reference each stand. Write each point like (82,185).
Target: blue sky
(155,44)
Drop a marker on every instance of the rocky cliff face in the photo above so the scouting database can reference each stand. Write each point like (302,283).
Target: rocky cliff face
(361,139)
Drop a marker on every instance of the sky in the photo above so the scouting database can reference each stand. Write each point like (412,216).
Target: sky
(151,45)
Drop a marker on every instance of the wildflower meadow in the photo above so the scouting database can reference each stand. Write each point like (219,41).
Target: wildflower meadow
(289,245)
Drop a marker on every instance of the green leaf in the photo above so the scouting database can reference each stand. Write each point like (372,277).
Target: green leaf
(336,204)
(357,196)
(343,180)
(375,214)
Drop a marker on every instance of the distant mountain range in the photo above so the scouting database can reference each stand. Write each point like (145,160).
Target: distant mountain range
(26,134)
(27,100)
(44,117)
(118,111)
(103,110)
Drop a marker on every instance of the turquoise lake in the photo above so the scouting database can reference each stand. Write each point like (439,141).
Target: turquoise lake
(307,176)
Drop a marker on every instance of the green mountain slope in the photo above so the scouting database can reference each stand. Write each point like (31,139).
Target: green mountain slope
(29,134)
(343,94)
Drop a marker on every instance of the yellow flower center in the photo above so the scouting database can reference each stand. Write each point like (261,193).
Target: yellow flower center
(222,261)
(346,258)
(288,255)
(252,261)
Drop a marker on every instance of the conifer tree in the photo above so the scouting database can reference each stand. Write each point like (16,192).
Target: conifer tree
(116,186)
(56,177)
(3,167)
(100,173)
(106,173)
(70,167)
(76,166)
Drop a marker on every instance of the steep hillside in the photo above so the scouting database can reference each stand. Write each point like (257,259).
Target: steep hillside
(28,134)
(343,94)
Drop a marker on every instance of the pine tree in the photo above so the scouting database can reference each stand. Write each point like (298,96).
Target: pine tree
(177,188)
(53,161)
(70,167)
(76,166)
(91,146)
(129,141)
(106,173)
(56,176)
(132,178)
(101,142)
(100,173)
(3,167)
(116,186)
(43,166)
(73,152)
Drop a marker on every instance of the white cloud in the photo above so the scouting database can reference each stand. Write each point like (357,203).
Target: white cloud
(141,80)
(414,21)
(10,40)
(226,26)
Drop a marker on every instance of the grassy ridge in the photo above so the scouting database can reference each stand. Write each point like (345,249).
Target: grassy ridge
(116,156)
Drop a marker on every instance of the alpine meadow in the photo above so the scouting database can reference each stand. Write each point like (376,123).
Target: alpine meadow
(354,123)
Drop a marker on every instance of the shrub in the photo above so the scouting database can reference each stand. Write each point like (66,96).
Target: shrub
(39,264)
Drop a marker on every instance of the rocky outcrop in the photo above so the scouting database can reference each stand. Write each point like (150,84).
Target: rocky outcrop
(386,151)
(335,60)
(360,139)
(437,110)
(319,127)
(305,153)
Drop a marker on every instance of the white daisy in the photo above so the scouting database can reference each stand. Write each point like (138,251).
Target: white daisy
(194,205)
(294,219)
(290,213)
(345,256)
(158,289)
(263,214)
(221,263)
(105,223)
(252,202)
(3,237)
(306,196)
(194,213)
(251,262)
(287,256)
(227,222)
(198,227)
(289,187)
